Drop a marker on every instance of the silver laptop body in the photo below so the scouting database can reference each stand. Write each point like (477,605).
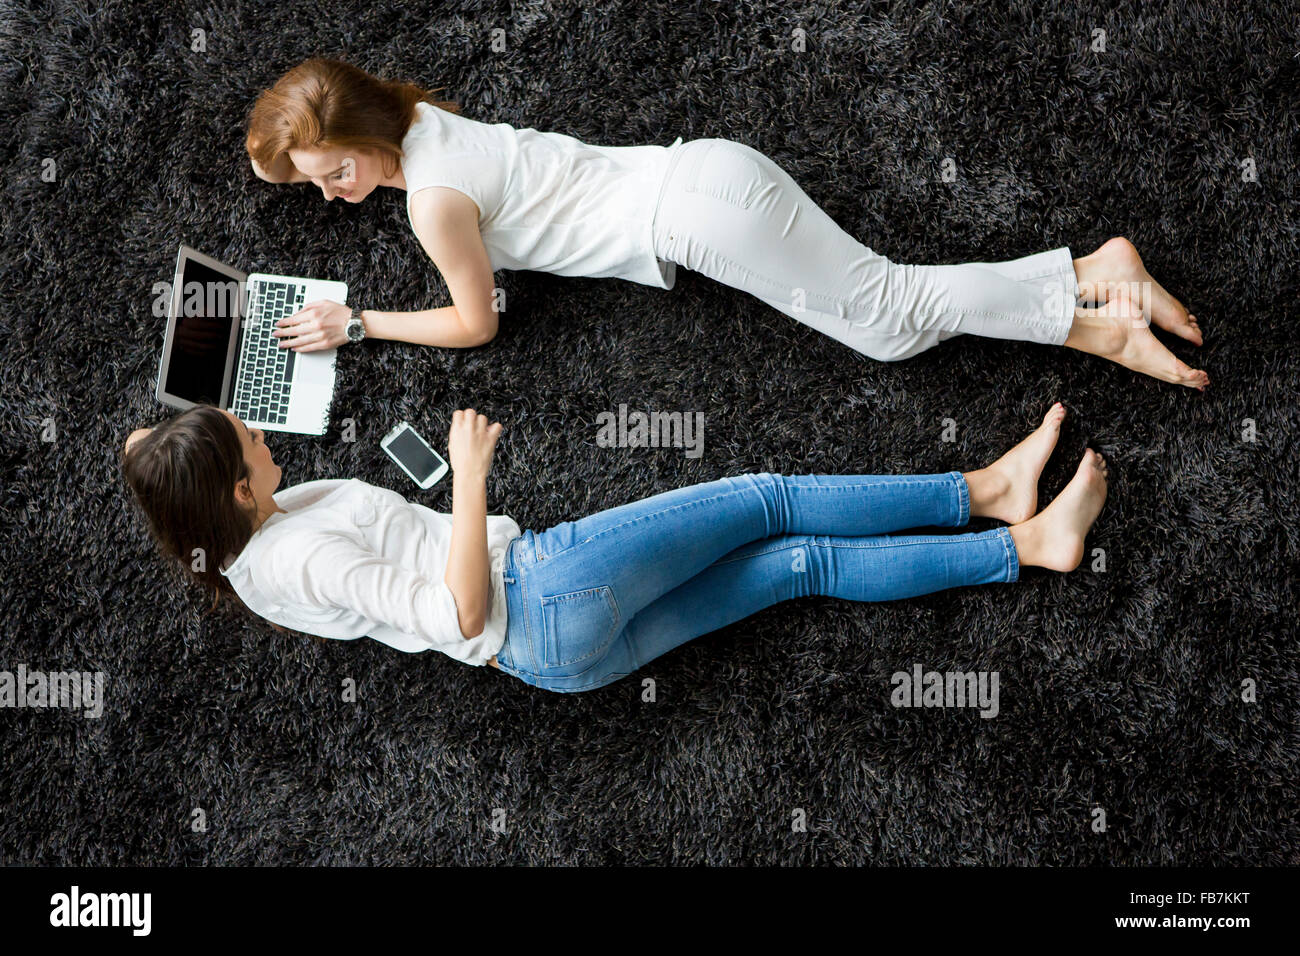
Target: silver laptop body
(219,346)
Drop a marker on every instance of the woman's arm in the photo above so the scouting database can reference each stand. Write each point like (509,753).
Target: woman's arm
(442,326)
(446,223)
(470,444)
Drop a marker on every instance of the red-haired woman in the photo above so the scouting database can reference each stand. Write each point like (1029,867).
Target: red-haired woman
(487,196)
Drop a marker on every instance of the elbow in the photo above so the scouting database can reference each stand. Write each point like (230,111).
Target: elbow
(483,333)
(471,628)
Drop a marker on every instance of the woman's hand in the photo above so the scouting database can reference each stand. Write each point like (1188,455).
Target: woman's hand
(470,443)
(320,325)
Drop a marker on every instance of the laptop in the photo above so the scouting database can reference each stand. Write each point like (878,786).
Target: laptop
(219,347)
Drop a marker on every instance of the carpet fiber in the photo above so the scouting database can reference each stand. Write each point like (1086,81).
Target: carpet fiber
(223,741)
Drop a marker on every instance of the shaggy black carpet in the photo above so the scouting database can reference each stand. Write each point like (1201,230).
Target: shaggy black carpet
(1121,690)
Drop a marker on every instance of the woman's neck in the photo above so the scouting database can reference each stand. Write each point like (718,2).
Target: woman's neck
(263,513)
(397,180)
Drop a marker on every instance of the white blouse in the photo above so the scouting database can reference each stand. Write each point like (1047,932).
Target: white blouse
(547,202)
(350,560)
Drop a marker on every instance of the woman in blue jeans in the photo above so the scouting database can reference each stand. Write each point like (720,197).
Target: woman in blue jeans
(487,196)
(588,601)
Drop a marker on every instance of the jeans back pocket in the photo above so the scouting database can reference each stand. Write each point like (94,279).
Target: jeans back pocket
(578,626)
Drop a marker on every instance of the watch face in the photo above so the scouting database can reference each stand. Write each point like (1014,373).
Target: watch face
(356,331)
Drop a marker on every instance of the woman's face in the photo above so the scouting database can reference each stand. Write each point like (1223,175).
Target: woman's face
(263,473)
(348,173)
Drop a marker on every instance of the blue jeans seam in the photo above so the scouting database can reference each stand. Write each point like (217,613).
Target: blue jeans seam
(877,541)
(513,578)
(699,501)
(869,542)
(526,607)
(642,517)
(848,489)
(771,549)
(601,682)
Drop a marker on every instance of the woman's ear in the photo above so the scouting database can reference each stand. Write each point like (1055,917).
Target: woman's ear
(244,494)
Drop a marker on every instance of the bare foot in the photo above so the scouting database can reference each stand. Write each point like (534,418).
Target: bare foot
(1118,331)
(1116,262)
(1054,537)
(1008,488)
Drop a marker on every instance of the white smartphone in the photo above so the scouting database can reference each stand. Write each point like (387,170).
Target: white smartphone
(413,455)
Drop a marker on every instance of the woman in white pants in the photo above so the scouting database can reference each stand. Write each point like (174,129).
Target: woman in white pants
(482,197)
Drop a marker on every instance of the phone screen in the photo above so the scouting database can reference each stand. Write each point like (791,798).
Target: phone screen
(412,452)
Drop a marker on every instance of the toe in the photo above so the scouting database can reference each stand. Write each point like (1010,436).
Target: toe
(1186,375)
(1181,324)
(1153,358)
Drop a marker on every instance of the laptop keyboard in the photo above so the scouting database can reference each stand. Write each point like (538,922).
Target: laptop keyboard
(266,370)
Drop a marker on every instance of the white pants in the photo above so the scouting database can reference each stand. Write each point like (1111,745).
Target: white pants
(731,213)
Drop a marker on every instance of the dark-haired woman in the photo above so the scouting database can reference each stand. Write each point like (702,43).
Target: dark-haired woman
(482,197)
(588,601)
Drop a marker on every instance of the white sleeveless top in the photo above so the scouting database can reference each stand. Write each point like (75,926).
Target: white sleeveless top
(547,202)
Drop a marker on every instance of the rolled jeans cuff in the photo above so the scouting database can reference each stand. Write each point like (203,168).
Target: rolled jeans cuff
(1013,559)
(963,499)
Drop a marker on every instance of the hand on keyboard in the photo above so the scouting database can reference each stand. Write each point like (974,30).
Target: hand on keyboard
(319,325)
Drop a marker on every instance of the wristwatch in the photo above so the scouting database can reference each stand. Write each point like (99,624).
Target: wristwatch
(356,327)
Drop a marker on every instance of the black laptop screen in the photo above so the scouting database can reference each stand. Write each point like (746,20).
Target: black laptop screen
(209,308)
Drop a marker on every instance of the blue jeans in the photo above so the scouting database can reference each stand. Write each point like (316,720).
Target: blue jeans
(728,211)
(593,600)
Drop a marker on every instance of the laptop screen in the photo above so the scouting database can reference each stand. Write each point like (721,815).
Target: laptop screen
(205,319)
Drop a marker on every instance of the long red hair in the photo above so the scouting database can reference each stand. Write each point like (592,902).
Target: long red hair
(325,104)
